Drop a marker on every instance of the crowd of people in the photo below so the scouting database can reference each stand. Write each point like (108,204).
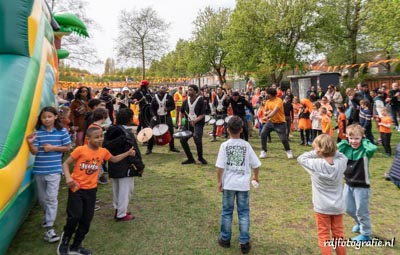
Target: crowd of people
(97,127)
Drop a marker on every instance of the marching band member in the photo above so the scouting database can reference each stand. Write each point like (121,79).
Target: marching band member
(143,97)
(220,106)
(160,108)
(194,110)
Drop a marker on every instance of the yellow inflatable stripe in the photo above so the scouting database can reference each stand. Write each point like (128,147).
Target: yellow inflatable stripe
(49,53)
(33,25)
(13,174)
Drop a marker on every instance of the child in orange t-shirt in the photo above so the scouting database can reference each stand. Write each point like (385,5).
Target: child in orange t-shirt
(305,121)
(385,125)
(82,184)
(342,124)
(326,124)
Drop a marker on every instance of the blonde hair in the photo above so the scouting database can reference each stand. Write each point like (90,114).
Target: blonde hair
(323,110)
(326,145)
(355,130)
(385,109)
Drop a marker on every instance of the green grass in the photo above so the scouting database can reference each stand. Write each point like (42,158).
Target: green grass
(177,209)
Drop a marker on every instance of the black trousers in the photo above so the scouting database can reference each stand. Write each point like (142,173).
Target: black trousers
(288,125)
(245,134)
(315,133)
(197,131)
(80,211)
(386,142)
(280,129)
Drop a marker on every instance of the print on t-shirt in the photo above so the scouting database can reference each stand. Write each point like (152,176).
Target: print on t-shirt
(90,166)
(236,159)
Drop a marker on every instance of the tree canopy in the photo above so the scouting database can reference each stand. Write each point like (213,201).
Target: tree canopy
(142,36)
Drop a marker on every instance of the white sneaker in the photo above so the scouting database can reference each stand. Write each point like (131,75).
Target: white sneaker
(263,154)
(289,154)
(51,236)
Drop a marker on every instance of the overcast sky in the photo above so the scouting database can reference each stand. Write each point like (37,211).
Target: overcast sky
(179,13)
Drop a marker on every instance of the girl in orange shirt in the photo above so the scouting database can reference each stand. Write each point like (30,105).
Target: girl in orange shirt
(325,122)
(305,121)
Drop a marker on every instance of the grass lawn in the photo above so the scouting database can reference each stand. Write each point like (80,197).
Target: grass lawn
(177,209)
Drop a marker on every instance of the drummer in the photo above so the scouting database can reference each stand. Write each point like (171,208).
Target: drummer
(206,94)
(194,110)
(160,109)
(220,111)
(143,97)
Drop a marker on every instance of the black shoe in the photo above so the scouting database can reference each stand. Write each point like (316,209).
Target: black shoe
(245,247)
(62,248)
(174,150)
(188,161)
(213,140)
(79,251)
(148,152)
(203,161)
(224,243)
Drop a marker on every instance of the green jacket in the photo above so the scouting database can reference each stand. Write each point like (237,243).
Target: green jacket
(357,172)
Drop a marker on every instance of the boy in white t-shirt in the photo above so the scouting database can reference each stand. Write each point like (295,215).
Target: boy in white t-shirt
(235,160)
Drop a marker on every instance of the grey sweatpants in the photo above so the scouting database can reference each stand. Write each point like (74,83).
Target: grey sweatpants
(47,186)
(122,192)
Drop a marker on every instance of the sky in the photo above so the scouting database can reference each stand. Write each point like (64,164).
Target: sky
(179,13)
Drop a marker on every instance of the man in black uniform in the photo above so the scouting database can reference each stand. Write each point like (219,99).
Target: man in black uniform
(143,97)
(238,104)
(194,110)
(160,109)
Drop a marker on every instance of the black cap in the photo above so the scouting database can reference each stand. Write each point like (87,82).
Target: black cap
(235,93)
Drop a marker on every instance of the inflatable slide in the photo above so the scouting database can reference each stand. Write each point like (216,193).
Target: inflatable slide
(28,75)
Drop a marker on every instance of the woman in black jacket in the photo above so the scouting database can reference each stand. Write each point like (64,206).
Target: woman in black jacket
(119,138)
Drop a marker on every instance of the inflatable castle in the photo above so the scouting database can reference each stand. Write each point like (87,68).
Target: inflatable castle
(30,38)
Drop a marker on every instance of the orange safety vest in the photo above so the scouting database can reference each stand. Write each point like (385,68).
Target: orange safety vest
(178,99)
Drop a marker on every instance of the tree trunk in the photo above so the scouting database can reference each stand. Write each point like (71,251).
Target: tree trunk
(221,75)
(143,63)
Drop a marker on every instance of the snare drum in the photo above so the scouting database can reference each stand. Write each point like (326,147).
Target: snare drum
(220,122)
(227,118)
(212,121)
(207,118)
(183,134)
(161,134)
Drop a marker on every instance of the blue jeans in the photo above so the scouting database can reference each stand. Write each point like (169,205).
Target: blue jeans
(357,203)
(243,209)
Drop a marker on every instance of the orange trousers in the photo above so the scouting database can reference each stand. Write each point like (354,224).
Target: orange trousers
(325,224)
